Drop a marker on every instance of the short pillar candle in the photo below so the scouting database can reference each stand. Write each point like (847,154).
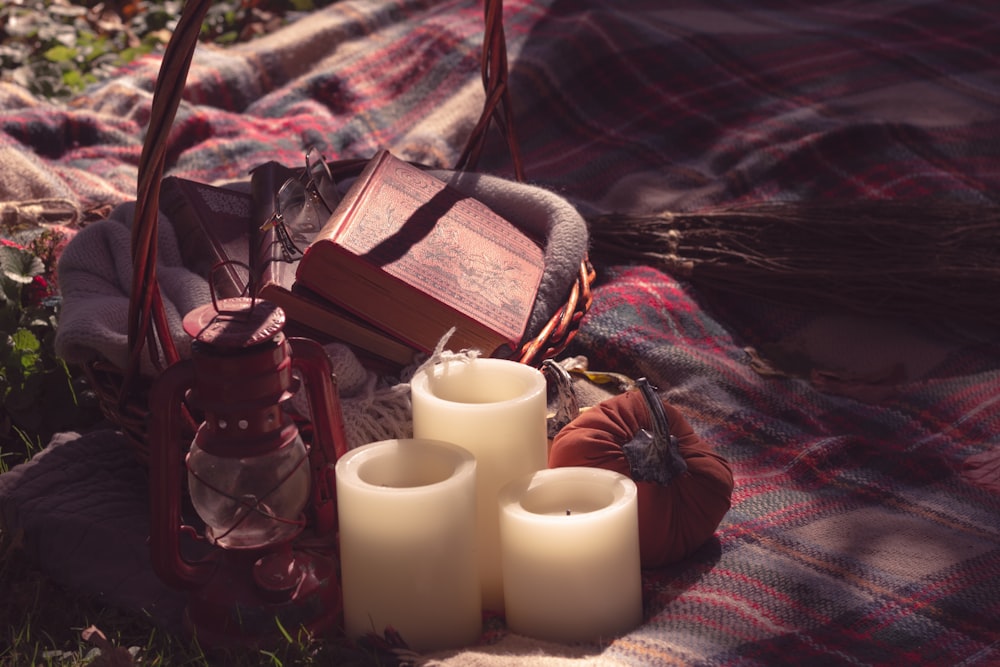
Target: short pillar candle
(496,409)
(570,549)
(408,542)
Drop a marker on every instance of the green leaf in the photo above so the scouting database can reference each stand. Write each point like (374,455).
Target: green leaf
(73,79)
(60,54)
(29,362)
(24,339)
(20,265)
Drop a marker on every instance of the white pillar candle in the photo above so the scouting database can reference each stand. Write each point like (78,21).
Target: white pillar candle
(570,547)
(408,542)
(496,409)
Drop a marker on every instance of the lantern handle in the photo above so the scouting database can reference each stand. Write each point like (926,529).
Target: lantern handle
(329,439)
(166,462)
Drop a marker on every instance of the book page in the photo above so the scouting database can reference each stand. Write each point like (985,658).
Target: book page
(452,247)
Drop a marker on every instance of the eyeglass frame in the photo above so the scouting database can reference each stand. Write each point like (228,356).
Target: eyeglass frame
(314,180)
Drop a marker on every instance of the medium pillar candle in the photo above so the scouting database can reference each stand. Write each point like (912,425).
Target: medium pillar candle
(408,542)
(496,409)
(570,547)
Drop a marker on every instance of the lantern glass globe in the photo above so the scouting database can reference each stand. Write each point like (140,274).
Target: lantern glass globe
(250,502)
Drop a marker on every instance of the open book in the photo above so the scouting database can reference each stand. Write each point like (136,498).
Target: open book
(415,257)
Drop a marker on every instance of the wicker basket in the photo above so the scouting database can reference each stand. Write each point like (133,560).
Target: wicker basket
(123,393)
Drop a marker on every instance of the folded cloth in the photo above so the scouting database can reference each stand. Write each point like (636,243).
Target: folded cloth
(29,191)
(95,276)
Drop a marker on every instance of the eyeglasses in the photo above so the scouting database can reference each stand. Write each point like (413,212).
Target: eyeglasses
(301,197)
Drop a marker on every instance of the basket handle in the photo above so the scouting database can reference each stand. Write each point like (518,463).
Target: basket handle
(147,322)
(498,105)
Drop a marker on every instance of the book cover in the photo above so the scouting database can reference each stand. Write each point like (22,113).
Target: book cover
(274,264)
(212,225)
(415,257)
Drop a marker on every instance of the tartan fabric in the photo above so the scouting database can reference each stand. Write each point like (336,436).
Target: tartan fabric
(853,537)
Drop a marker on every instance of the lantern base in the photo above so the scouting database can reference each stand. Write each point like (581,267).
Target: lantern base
(255,597)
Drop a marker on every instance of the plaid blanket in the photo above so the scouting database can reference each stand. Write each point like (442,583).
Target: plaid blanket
(855,536)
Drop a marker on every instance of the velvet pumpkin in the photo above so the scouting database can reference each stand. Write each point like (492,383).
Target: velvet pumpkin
(682,502)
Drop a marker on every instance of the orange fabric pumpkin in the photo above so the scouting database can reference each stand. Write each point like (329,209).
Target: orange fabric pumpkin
(674,518)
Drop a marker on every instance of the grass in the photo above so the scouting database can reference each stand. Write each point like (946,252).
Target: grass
(43,623)
(38,631)
(55,48)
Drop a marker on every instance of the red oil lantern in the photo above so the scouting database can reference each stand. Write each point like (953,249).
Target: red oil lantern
(263,557)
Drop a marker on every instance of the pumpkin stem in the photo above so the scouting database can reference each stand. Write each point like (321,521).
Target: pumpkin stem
(653,455)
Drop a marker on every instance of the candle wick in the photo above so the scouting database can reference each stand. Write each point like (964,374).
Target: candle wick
(568,512)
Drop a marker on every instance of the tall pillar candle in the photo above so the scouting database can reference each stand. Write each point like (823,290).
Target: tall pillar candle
(570,548)
(496,409)
(408,542)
